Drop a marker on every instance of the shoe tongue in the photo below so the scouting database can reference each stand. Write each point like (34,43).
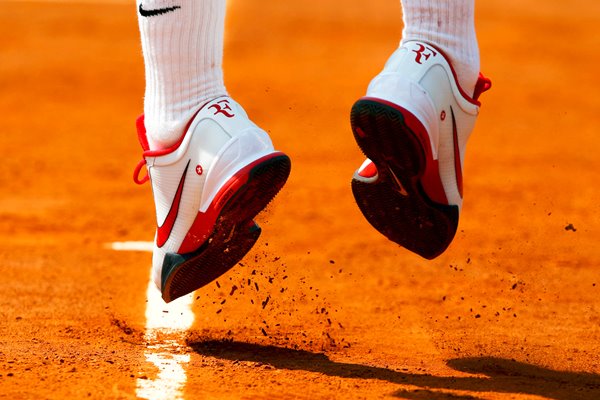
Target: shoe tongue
(141,131)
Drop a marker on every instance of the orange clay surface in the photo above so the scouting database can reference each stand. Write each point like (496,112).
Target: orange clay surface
(510,311)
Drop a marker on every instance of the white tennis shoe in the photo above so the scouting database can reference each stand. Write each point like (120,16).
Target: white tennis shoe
(207,189)
(413,125)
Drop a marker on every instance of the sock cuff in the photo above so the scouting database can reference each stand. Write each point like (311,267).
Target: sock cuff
(182,44)
(449,25)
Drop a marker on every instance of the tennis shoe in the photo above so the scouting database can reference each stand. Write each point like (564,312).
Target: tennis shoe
(413,126)
(207,190)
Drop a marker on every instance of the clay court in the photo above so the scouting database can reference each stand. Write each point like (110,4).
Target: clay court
(323,307)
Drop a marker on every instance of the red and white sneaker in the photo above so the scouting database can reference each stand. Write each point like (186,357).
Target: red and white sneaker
(207,190)
(413,126)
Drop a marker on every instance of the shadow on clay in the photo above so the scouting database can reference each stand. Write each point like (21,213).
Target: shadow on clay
(501,375)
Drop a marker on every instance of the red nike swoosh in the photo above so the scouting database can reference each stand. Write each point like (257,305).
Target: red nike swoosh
(164,231)
(457,166)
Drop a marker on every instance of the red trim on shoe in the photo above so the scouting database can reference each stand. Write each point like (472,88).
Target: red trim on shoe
(170,149)
(143,139)
(486,83)
(430,179)
(204,224)
(141,131)
(163,232)
(483,85)
(369,171)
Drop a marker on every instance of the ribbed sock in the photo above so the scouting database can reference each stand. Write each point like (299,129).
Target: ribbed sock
(182,43)
(450,26)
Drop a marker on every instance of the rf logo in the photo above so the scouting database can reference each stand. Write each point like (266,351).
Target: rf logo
(424,52)
(223,107)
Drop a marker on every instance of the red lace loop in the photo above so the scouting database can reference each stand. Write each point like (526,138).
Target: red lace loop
(483,85)
(136,173)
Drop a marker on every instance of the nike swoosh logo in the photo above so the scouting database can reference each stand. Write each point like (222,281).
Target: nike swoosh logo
(457,166)
(400,189)
(164,231)
(156,11)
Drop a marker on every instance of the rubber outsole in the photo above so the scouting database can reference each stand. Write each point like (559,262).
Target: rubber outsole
(401,212)
(235,232)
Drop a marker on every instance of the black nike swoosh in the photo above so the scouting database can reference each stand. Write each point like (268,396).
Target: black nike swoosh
(157,11)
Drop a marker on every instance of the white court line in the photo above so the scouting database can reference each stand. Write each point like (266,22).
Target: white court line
(131,246)
(167,322)
(170,356)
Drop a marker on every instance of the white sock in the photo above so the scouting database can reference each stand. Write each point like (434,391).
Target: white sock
(183,56)
(450,26)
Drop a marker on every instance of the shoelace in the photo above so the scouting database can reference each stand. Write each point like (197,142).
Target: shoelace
(136,173)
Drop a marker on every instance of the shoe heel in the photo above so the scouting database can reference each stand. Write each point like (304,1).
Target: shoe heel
(397,204)
(235,231)
(184,273)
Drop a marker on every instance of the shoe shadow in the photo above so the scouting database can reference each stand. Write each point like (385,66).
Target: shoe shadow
(501,375)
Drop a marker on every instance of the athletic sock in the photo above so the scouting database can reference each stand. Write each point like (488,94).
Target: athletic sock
(182,43)
(450,26)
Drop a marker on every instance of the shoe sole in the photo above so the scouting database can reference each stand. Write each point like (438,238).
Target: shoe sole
(399,208)
(235,232)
